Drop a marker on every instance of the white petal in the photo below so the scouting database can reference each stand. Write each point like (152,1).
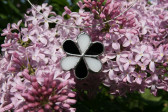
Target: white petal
(70,62)
(83,42)
(93,64)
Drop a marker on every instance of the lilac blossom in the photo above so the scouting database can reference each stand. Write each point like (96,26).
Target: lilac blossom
(139,77)
(135,57)
(128,61)
(155,83)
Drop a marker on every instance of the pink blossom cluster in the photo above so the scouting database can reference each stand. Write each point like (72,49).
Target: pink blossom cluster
(135,57)
(31,79)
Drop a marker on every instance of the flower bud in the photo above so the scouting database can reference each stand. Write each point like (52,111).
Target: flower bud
(41,110)
(20,87)
(45,81)
(85,1)
(31,105)
(120,18)
(94,11)
(39,90)
(6,45)
(15,54)
(116,5)
(50,103)
(30,26)
(71,95)
(25,107)
(161,16)
(33,79)
(87,5)
(165,64)
(34,91)
(108,36)
(41,98)
(102,16)
(71,101)
(16,35)
(61,85)
(66,105)
(101,1)
(122,31)
(162,30)
(54,84)
(67,10)
(12,69)
(26,70)
(93,3)
(130,17)
(43,88)
(56,107)
(31,98)
(45,93)
(62,98)
(35,85)
(47,106)
(24,95)
(26,75)
(50,90)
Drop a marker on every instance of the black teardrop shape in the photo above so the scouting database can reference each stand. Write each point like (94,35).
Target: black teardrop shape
(95,49)
(69,46)
(81,70)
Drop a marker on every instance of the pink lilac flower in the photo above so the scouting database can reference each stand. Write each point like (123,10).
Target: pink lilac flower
(154,83)
(31,94)
(139,77)
(112,71)
(131,40)
(135,57)
(128,61)
(140,52)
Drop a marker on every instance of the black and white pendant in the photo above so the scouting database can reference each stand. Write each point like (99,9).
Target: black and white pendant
(82,56)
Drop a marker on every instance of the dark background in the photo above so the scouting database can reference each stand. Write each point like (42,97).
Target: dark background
(11,11)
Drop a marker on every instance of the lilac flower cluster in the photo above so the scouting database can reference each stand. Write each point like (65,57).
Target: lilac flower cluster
(135,57)
(31,78)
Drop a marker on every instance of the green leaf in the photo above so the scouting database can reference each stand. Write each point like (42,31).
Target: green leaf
(148,96)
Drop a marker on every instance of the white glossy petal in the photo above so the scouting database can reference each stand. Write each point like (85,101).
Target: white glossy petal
(84,42)
(93,64)
(69,62)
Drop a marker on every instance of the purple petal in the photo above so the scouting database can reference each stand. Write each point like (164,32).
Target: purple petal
(43,40)
(137,57)
(129,78)
(126,43)
(123,60)
(126,66)
(111,74)
(152,66)
(116,45)
(143,48)
(138,80)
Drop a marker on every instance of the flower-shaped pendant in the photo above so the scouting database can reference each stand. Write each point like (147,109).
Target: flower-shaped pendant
(82,56)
